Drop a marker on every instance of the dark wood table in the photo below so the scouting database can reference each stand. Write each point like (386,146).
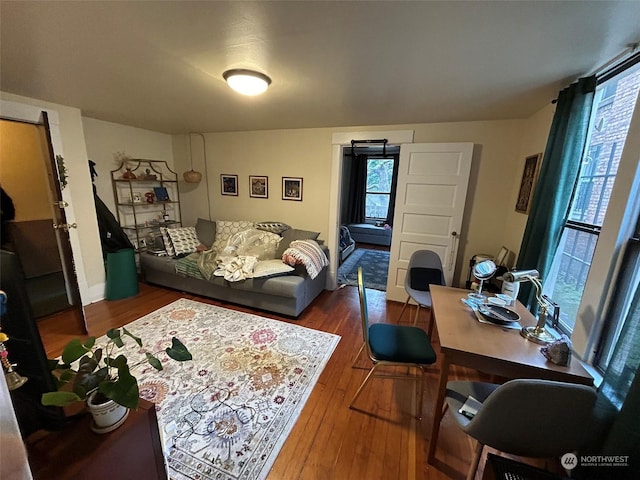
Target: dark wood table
(488,348)
(133,450)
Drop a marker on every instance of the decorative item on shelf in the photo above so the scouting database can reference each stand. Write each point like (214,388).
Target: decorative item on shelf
(148,175)
(193,176)
(149,196)
(124,161)
(165,216)
(537,334)
(162,195)
(103,379)
(137,197)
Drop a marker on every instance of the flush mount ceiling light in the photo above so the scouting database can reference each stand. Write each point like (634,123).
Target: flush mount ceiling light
(247,82)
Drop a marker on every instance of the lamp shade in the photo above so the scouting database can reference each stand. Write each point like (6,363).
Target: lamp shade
(247,82)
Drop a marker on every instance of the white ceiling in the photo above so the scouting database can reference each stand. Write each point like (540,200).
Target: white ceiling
(158,65)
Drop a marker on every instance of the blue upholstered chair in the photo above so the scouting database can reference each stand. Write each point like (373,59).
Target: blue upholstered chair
(393,345)
(525,417)
(425,269)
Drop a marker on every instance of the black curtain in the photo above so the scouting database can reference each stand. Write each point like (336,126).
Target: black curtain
(394,185)
(357,189)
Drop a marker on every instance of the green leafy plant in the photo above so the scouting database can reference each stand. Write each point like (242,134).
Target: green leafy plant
(98,370)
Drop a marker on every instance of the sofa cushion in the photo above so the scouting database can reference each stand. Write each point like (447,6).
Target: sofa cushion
(184,240)
(206,230)
(225,229)
(271,268)
(273,227)
(291,235)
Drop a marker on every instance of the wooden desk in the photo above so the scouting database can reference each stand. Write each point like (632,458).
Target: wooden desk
(133,450)
(489,348)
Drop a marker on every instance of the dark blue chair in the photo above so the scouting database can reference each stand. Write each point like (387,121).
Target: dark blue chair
(393,345)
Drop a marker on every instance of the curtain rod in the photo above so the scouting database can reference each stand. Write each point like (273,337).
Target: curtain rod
(383,141)
(609,65)
(615,61)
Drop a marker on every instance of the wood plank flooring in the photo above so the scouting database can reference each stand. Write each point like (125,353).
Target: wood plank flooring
(380,440)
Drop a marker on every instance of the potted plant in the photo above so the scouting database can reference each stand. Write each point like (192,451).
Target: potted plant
(103,379)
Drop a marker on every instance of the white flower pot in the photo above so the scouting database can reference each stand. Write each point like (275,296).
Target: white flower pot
(106,416)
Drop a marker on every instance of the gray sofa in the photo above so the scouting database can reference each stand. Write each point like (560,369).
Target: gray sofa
(286,294)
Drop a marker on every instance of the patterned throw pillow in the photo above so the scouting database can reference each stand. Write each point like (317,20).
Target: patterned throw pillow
(273,227)
(225,229)
(168,246)
(292,234)
(184,240)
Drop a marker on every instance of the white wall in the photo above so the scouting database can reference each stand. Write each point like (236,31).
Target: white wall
(104,139)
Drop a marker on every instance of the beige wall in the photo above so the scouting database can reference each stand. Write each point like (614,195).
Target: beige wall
(23,171)
(104,139)
(500,147)
(497,165)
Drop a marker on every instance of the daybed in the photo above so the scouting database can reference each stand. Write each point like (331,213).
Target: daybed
(368,233)
(283,289)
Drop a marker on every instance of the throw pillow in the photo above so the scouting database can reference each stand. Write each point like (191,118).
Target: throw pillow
(206,230)
(271,268)
(307,253)
(292,234)
(273,227)
(184,240)
(168,246)
(225,229)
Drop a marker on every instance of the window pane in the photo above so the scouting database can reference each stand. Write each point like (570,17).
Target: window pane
(376,205)
(615,101)
(568,275)
(379,175)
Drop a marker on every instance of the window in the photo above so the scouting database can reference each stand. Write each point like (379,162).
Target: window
(614,105)
(378,191)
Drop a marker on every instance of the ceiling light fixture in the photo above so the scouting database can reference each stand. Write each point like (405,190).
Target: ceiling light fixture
(247,82)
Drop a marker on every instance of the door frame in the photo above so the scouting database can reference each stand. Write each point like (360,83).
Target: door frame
(32,114)
(339,140)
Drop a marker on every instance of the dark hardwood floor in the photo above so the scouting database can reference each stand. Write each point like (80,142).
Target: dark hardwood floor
(380,440)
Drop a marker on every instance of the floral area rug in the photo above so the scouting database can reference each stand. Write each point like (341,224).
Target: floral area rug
(226,414)
(375,264)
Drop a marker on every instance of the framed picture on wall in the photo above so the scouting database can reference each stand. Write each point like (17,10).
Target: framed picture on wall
(528,182)
(229,184)
(292,188)
(258,186)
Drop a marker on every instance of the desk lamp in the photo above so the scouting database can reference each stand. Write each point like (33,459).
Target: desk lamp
(537,334)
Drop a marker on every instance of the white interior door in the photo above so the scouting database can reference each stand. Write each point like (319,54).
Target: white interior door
(430,200)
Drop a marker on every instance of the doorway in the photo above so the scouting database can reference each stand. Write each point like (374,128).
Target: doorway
(31,193)
(367,199)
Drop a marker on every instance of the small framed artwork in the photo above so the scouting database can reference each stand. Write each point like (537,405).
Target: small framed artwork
(528,182)
(229,184)
(292,188)
(161,193)
(258,186)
